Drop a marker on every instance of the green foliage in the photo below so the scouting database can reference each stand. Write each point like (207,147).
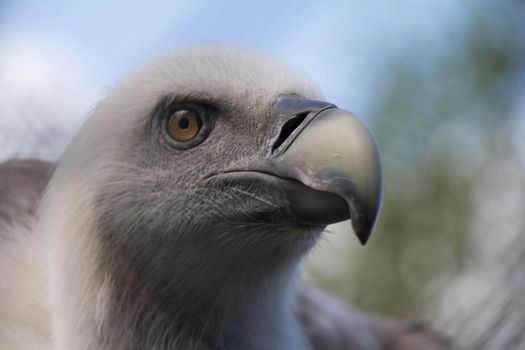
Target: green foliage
(439,120)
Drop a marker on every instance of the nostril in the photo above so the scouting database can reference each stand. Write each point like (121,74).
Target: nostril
(288,128)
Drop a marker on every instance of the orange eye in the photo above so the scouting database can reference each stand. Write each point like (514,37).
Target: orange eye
(184,125)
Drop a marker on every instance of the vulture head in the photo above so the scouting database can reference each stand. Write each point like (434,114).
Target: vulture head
(181,211)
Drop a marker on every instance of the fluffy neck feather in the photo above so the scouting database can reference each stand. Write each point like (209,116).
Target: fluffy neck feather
(240,313)
(122,304)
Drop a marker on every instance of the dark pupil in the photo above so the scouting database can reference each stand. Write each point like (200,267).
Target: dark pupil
(184,123)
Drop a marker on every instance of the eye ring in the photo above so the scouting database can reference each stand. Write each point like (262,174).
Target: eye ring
(187,125)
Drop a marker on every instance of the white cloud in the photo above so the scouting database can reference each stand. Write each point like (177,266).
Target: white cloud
(44,91)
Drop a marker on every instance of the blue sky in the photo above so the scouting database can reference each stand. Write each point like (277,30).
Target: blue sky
(340,44)
(58,57)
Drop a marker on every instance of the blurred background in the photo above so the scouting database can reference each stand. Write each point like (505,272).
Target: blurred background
(441,83)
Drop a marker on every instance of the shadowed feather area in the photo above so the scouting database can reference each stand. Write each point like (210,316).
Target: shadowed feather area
(328,323)
(21,185)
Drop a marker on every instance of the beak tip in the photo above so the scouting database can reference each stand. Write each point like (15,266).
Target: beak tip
(362,234)
(363,218)
(363,239)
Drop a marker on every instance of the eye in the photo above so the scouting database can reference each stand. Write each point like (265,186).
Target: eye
(184,125)
(187,125)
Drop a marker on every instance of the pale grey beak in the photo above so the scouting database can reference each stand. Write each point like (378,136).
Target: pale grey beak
(333,152)
(324,160)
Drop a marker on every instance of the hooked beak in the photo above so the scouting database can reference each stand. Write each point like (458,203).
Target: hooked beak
(331,151)
(331,158)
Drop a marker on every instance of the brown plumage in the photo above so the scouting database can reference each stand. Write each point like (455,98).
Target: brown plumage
(21,186)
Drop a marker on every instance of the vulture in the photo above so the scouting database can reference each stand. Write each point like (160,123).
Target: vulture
(179,216)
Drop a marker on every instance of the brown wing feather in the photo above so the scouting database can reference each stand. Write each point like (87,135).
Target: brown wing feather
(332,325)
(22,182)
